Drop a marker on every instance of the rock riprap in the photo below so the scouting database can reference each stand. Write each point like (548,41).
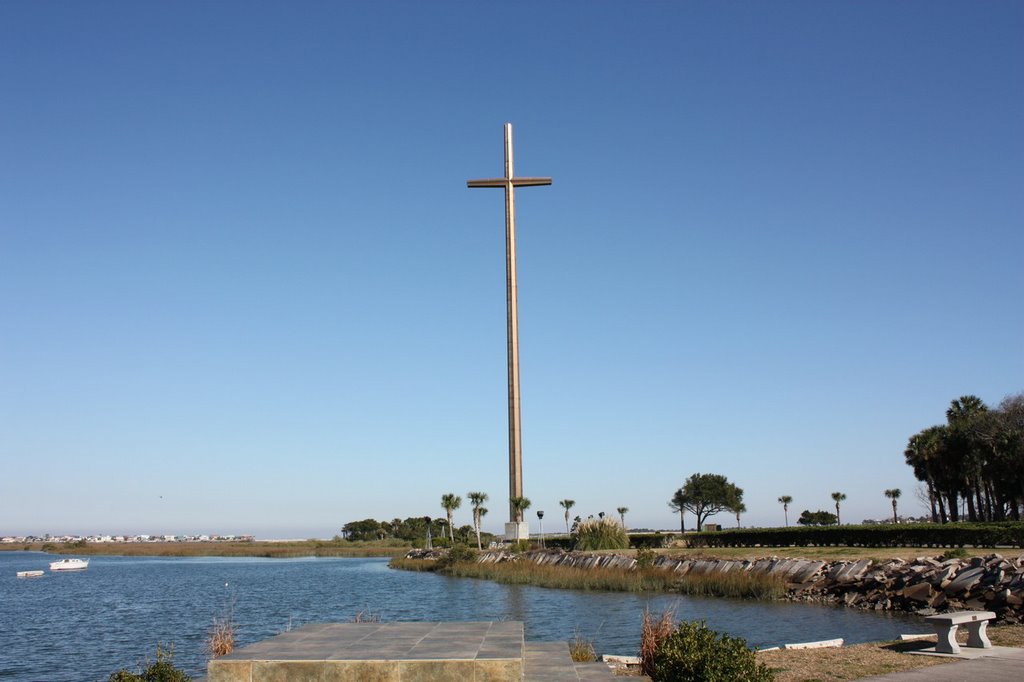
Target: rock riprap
(925,585)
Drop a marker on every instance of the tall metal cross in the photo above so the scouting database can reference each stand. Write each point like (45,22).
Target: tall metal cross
(509,183)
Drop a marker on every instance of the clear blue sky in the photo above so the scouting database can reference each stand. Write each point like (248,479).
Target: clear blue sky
(245,288)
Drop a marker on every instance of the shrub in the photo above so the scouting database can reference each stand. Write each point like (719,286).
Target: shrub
(162,670)
(654,540)
(601,534)
(520,546)
(645,557)
(955,553)
(696,653)
(455,555)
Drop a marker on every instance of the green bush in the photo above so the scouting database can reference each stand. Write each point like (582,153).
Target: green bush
(655,540)
(695,653)
(162,670)
(455,555)
(645,557)
(601,534)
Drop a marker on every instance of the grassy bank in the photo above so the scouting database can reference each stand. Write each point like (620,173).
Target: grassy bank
(740,585)
(274,550)
(864,660)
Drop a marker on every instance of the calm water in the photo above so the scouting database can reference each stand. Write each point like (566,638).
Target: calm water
(84,625)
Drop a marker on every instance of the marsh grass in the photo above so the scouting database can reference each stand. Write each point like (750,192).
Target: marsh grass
(266,549)
(420,565)
(581,649)
(739,584)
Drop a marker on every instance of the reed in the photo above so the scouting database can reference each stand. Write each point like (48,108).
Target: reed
(421,565)
(220,640)
(740,585)
(653,633)
(581,649)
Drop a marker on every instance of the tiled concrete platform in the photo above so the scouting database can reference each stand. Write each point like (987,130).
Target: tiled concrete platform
(492,651)
(381,652)
(551,662)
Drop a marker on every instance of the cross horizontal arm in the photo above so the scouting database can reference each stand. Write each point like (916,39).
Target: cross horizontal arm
(501,182)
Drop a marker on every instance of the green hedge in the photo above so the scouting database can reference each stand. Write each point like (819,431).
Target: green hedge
(879,535)
(650,540)
(636,540)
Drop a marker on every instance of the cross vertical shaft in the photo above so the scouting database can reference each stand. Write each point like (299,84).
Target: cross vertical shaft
(515,446)
(515,434)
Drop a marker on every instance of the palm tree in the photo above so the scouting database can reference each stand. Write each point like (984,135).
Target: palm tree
(451,502)
(737,509)
(567,505)
(540,520)
(784,501)
(838,497)
(477,500)
(893,494)
(519,505)
(622,515)
(481,513)
(678,504)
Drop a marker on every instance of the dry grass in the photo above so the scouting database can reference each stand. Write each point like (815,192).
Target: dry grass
(733,584)
(365,617)
(581,649)
(220,641)
(864,660)
(652,634)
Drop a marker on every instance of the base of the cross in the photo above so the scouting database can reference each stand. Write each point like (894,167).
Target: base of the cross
(517,531)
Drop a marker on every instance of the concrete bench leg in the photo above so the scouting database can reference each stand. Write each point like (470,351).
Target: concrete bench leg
(976,635)
(946,639)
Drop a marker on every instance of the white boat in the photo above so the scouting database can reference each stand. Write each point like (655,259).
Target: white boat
(69,565)
(29,574)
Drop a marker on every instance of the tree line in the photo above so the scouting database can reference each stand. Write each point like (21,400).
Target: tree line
(973,463)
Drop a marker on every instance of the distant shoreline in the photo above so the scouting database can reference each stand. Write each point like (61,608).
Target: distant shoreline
(274,549)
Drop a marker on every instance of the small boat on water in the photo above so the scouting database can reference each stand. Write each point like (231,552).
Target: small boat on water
(29,574)
(69,565)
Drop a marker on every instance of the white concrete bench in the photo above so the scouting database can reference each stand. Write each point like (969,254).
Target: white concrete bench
(946,624)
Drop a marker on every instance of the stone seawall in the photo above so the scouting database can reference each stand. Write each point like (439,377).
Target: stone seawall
(924,585)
